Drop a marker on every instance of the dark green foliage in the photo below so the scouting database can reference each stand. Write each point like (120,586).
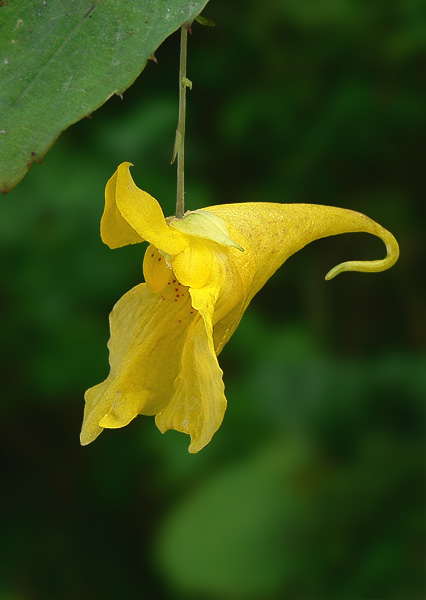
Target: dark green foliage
(60,61)
(313,488)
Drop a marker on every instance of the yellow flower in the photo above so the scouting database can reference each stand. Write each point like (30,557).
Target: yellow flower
(201,273)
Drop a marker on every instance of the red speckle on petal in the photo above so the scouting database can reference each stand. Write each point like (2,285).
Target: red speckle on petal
(159,259)
(152,255)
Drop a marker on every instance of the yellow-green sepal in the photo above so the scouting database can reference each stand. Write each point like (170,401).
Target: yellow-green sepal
(205,224)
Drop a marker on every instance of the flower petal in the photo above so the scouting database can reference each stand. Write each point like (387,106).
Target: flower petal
(155,270)
(115,230)
(194,265)
(148,332)
(199,402)
(126,203)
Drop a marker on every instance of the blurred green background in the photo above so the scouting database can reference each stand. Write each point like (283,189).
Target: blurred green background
(313,488)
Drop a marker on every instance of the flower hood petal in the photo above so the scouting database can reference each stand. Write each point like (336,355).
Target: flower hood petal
(132,215)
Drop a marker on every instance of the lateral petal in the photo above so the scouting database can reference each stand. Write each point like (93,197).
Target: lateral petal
(198,405)
(148,332)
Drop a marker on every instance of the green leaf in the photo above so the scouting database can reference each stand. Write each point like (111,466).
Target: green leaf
(233,534)
(205,21)
(60,61)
